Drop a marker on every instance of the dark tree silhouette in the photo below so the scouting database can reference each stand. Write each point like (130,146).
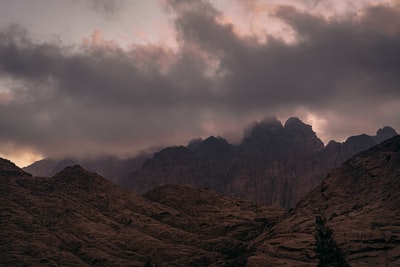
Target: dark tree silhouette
(328,251)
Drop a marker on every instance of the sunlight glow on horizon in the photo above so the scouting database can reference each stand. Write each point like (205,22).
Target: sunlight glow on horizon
(22,158)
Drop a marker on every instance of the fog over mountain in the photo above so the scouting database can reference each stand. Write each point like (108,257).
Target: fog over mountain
(217,67)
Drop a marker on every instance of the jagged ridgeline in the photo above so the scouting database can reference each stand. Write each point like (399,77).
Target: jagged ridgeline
(274,163)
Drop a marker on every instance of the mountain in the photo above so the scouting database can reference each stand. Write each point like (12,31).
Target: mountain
(354,215)
(274,164)
(113,168)
(78,218)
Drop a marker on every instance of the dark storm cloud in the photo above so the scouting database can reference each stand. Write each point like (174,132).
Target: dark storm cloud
(94,99)
(101,99)
(345,67)
(333,61)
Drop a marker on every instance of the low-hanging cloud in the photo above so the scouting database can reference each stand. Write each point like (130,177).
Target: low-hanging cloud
(85,100)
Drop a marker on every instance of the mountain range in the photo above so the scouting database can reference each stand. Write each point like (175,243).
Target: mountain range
(78,218)
(275,163)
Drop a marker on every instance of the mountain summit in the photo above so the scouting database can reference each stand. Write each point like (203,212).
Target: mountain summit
(384,134)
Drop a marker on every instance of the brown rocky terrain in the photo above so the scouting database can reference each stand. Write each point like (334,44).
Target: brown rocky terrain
(78,218)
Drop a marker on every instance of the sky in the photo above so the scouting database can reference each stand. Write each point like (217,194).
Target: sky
(116,77)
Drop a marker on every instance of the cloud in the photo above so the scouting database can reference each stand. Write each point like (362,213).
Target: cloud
(107,8)
(342,72)
(97,40)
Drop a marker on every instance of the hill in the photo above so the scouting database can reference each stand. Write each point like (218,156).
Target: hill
(78,218)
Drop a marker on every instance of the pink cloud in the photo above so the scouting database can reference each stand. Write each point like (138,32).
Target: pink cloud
(96,40)
(5,97)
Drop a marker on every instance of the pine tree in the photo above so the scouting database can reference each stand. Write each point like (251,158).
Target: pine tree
(328,251)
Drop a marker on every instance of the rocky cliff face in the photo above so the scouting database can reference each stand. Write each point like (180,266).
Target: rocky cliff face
(274,164)
(277,164)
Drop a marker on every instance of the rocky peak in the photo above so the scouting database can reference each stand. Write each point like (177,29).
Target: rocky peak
(358,143)
(271,135)
(265,135)
(301,134)
(212,140)
(213,146)
(295,123)
(9,168)
(267,128)
(71,172)
(333,145)
(194,144)
(384,134)
(76,176)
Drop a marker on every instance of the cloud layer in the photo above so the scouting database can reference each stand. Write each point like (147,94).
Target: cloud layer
(342,71)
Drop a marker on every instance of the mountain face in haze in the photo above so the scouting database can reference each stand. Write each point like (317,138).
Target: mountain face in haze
(112,168)
(78,218)
(274,164)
